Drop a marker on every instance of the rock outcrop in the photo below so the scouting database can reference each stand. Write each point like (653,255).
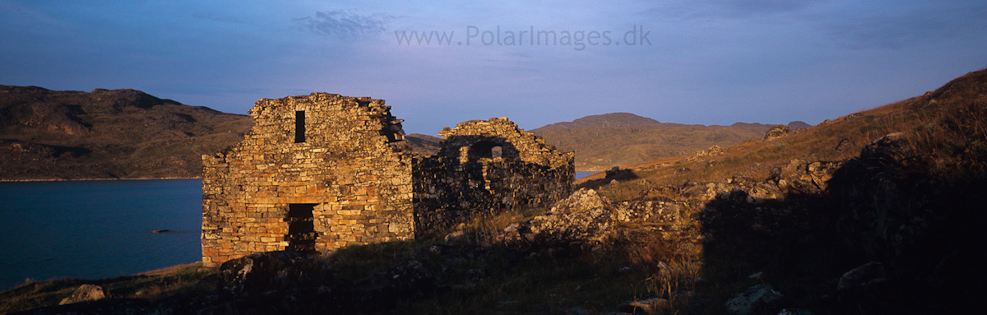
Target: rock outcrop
(583,219)
(776,131)
(85,293)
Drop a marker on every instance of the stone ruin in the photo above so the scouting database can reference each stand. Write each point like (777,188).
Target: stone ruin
(324,171)
(487,167)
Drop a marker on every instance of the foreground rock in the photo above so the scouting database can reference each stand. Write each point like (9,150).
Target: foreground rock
(581,220)
(85,292)
(756,297)
(648,306)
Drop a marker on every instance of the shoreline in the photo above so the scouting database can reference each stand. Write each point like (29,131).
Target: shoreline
(28,180)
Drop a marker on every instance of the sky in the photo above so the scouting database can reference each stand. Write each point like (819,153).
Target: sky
(684,61)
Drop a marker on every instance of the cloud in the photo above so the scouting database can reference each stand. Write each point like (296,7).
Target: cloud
(909,27)
(13,13)
(343,24)
(755,7)
(729,8)
(889,32)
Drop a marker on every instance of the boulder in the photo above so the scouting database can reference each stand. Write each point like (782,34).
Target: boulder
(85,292)
(584,217)
(753,298)
(862,277)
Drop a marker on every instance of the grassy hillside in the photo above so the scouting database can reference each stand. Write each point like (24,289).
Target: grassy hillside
(946,125)
(621,139)
(423,144)
(47,134)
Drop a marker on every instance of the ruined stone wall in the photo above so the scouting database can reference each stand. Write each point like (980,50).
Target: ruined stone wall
(486,167)
(315,172)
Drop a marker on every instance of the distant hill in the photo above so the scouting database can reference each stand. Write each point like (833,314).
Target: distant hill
(423,144)
(623,139)
(47,134)
(796,125)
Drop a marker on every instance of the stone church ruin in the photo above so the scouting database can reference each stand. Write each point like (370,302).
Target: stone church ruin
(324,171)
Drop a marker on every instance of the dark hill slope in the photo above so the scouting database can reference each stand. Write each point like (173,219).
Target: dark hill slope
(47,134)
(423,144)
(623,139)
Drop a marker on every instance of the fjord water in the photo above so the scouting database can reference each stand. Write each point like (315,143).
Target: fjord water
(96,229)
(584,174)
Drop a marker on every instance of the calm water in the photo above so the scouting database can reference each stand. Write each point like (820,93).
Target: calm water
(96,229)
(584,174)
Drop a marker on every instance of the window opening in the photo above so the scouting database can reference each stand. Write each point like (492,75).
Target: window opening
(299,126)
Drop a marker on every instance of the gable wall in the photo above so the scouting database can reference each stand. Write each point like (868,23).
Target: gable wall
(348,166)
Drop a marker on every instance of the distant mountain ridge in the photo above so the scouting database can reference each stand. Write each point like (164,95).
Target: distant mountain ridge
(609,120)
(52,135)
(46,134)
(624,139)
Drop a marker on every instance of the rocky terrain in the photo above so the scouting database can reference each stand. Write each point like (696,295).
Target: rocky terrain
(47,134)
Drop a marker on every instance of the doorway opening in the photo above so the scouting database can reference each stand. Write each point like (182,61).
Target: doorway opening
(301,228)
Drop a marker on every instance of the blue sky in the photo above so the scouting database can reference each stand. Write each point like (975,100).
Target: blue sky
(705,62)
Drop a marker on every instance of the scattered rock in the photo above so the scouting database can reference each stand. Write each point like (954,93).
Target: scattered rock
(756,276)
(474,276)
(843,145)
(712,151)
(576,310)
(648,306)
(862,277)
(85,292)
(456,237)
(795,311)
(753,298)
(408,280)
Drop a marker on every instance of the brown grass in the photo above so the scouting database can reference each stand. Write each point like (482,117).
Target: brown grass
(950,127)
(151,285)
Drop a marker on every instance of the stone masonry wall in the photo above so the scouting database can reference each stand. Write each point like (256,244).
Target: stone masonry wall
(315,172)
(486,167)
